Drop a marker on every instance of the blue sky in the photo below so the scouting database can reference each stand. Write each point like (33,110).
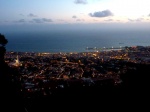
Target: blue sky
(47,12)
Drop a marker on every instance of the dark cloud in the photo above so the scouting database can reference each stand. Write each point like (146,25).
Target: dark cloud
(43,20)
(104,13)
(21,21)
(80,1)
(74,17)
(37,20)
(32,15)
(149,15)
(46,20)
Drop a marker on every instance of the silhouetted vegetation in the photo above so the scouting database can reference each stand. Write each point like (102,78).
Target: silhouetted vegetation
(3,42)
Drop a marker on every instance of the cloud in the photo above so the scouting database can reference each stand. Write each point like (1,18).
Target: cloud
(80,19)
(139,19)
(131,20)
(41,20)
(37,20)
(109,20)
(21,21)
(32,15)
(46,20)
(80,1)
(149,15)
(104,13)
(136,20)
(74,17)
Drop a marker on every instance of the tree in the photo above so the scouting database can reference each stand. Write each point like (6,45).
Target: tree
(3,42)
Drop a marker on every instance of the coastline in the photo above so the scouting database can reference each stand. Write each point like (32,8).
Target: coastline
(86,50)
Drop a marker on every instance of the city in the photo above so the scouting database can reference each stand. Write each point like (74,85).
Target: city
(44,79)
(42,74)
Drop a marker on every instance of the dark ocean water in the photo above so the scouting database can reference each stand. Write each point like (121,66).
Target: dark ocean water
(74,41)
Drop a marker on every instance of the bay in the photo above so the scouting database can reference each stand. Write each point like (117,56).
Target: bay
(74,41)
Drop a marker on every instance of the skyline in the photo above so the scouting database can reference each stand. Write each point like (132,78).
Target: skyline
(27,14)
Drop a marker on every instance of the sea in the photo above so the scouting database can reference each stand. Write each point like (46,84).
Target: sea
(74,41)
